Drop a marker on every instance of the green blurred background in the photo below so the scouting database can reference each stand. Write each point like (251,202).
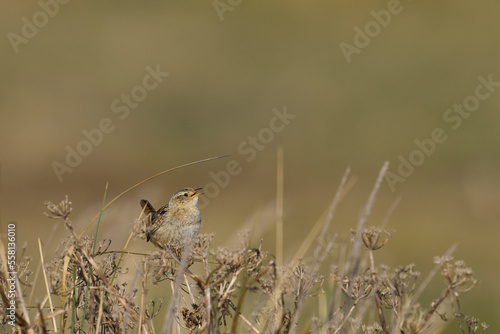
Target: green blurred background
(228,71)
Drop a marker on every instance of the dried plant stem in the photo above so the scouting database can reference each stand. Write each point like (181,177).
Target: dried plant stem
(121,257)
(208,304)
(346,317)
(237,312)
(46,317)
(411,301)
(354,256)
(35,280)
(278,298)
(340,193)
(42,320)
(143,295)
(176,287)
(378,302)
(66,261)
(279,208)
(252,327)
(390,211)
(47,284)
(320,228)
(100,219)
(99,272)
(229,287)
(188,287)
(431,275)
(73,299)
(93,253)
(433,308)
(99,316)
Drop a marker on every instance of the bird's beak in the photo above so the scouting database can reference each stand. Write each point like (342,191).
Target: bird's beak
(197,192)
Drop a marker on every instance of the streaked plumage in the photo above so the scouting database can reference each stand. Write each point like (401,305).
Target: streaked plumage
(175,223)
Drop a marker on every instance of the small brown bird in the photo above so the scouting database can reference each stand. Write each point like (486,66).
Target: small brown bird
(177,222)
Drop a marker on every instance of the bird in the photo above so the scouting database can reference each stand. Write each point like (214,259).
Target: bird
(176,223)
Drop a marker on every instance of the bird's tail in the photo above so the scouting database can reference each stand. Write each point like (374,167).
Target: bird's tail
(147,207)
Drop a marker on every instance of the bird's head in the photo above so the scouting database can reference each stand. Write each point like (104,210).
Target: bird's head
(186,197)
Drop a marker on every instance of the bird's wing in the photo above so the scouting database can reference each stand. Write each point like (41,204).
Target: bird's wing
(163,210)
(150,233)
(154,220)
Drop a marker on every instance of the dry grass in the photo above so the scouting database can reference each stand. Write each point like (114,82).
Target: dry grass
(235,289)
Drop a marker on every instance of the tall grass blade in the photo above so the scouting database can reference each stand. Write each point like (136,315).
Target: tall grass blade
(279,208)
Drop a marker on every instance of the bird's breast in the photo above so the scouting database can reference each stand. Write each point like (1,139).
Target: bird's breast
(183,216)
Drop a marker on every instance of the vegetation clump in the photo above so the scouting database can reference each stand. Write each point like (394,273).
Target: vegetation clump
(90,289)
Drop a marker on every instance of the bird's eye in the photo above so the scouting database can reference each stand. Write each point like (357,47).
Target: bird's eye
(185,195)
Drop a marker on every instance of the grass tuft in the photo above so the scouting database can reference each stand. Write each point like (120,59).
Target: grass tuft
(328,287)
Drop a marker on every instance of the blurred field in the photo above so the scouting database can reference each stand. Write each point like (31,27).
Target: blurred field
(225,78)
